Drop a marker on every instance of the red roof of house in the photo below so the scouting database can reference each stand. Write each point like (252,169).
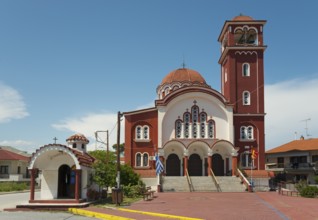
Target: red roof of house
(297,145)
(8,155)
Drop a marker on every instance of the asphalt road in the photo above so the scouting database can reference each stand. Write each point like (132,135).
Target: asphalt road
(12,199)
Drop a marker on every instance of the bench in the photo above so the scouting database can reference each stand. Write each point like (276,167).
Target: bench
(148,194)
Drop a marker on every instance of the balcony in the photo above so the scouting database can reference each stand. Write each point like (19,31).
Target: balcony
(292,167)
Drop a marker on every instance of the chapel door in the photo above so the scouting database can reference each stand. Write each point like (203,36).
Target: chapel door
(64,182)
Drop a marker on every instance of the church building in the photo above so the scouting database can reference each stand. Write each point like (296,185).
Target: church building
(194,128)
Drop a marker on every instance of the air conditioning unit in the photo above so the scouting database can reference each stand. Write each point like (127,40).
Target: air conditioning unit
(152,158)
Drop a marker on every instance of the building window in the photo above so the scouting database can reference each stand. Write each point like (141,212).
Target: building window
(146,132)
(194,124)
(142,160)
(280,162)
(246,98)
(178,128)
(246,159)
(186,124)
(4,169)
(246,69)
(83,146)
(245,36)
(247,133)
(211,129)
(138,159)
(74,145)
(142,132)
(314,158)
(19,169)
(138,132)
(145,160)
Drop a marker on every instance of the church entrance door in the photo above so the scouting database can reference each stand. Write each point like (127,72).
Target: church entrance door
(195,165)
(64,182)
(173,165)
(217,165)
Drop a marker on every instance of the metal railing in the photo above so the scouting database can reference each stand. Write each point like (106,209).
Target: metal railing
(218,188)
(189,181)
(245,181)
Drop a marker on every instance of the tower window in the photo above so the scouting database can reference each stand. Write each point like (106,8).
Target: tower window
(138,159)
(245,36)
(74,145)
(246,159)
(246,69)
(247,133)
(246,98)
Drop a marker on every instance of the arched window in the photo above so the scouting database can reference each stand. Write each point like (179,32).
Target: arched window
(246,159)
(138,132)
(211,129)
(178,128)
(202,124)
(195,114)
(138,159)
(246,69)
(145,160)
(246,98)
(247,133)
(142,133)
(186,124)
(146,132)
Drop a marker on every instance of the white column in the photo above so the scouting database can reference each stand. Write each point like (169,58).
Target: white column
(182,130)
(190,130)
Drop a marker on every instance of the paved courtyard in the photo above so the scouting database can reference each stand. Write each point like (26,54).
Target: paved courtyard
(262,205)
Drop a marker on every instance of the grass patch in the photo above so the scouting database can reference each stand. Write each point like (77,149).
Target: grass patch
(109,203)
(13,186)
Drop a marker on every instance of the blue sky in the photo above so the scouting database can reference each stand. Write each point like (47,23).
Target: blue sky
(69,66)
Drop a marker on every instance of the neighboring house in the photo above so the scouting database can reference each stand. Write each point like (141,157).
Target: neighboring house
(13,164)
(196,128)
(297,160)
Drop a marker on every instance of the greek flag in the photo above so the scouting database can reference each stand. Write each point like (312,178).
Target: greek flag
(159,165)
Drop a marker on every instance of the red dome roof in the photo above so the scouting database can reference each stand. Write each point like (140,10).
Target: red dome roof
(242,18)
(78,137)
(183,75)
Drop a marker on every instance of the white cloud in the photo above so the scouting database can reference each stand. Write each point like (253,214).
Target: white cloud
(90,123)
(22,145)
(287,105)
(12,105)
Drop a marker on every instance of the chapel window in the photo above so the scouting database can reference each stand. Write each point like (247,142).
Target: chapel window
(246,69)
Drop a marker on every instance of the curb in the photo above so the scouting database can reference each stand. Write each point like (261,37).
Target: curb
(159,214)
(96,214)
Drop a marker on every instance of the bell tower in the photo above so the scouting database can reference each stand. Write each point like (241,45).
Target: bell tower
(242,84)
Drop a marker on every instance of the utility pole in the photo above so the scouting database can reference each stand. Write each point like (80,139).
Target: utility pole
(107,142)
(118,150)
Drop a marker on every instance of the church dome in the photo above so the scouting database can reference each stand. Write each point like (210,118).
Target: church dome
(180,78)
(183,75)
(242,18)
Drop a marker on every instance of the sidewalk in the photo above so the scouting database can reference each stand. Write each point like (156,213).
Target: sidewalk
(263,205)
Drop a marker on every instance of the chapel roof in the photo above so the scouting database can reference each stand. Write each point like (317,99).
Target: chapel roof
(78,137)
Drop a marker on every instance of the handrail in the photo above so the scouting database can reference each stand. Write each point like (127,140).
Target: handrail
(189,181)
(245,181)
(218,188)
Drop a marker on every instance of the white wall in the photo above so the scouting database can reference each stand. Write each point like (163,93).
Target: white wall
(49,184)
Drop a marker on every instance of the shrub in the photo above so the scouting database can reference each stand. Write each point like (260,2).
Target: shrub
(13,186)
(309,192)
(301,185)
(133,191)
(316,179)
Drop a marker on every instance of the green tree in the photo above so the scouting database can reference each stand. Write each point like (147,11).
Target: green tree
(104,168)
(121,147)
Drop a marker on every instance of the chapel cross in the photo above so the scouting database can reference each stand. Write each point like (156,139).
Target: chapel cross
(55,139)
